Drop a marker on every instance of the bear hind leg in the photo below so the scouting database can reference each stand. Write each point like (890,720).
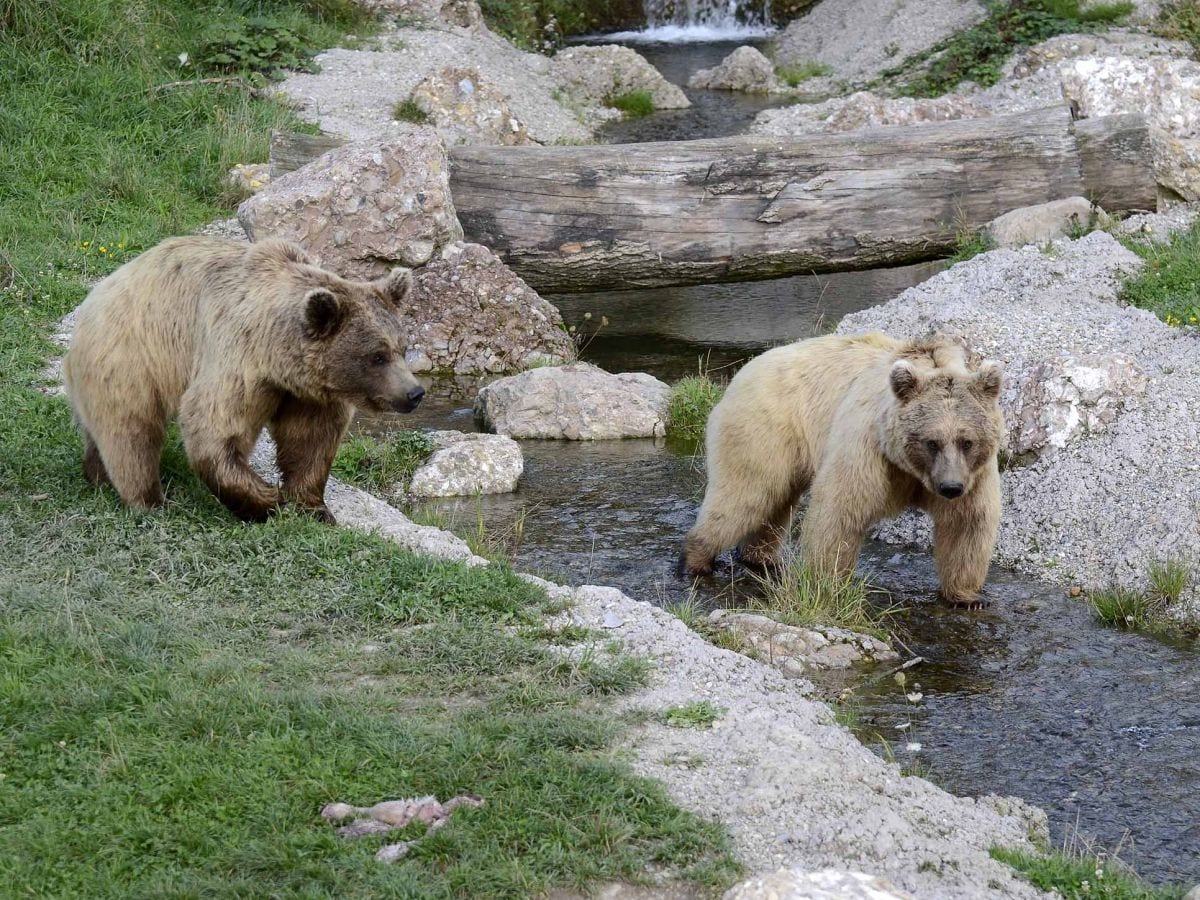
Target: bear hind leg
(128,458)
(725,520)
(761,549)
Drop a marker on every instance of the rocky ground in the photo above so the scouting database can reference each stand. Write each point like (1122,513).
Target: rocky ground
(1109,482)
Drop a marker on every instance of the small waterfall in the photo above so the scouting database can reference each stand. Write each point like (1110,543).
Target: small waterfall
(702,20)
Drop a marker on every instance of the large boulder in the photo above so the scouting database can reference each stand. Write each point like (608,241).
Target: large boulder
(364,207)
(469,464)
(468,109)
(591,75)
(745,69)
(1043,222)
(1163,89)
(579,402)
(859,39)
(862,109)
(471,314)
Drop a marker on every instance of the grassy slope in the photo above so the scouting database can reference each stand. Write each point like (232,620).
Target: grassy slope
(179,693)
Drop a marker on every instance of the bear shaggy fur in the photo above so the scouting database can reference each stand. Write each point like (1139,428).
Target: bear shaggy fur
(869,426)
(232,338)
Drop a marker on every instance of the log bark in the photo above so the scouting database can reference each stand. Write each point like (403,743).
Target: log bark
(584,218)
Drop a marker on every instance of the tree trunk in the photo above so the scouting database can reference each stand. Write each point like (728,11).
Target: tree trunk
(584,218)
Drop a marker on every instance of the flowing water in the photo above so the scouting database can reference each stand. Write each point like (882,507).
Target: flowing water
(1029,697)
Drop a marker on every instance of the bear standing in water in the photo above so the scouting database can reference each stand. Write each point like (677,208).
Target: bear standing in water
(233,338)
(870,426)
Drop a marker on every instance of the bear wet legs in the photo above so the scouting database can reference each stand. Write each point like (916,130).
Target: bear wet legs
(307,437)
(964,536)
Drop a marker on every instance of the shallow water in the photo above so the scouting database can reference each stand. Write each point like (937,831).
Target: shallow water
(1029,697)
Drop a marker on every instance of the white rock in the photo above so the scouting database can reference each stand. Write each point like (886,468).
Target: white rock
(590,74)
(578,402)
(862,110)
(469,464)
(745,69)
(826,884)
(796,651)
(1042,222)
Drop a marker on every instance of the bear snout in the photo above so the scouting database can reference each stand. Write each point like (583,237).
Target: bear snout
(410,400)
(950,489)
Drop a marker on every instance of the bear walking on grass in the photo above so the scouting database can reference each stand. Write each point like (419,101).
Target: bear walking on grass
(869,426)
(232,338)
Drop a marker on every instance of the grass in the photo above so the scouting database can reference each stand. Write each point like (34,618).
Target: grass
(1169,284)
(978,53)
(795,594)
(694,714)
(540,25)
(1179,20)
(410,111)
(1143,609)
(692,399)
(969,244)
(1078,875)
(794,76)
(181,693)
(635,104)
(380,465)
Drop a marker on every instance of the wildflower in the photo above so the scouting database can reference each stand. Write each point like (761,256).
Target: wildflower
(913,746)
(587,317)
(103,249)
(121,246)
(604,320)
(914,697)
(904,726)
(86,244)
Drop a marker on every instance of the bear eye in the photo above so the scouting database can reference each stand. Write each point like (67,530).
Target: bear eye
(380,359)
(965,445)
(934,447)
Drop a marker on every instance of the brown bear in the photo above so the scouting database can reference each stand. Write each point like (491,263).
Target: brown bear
(230,338)
(869,426)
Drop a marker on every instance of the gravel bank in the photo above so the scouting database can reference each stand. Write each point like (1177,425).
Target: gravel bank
(1102,508)
(355,91)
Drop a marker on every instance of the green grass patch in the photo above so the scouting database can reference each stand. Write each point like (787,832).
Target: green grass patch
(692,399)
(379,465)
(794,76)
(978,53)
(1179,20)
(634,104)
(1143,609)
(969,244)
(794,594)
(694,714)
(1082,876)
(409,111)
(180,693)
(1169,284)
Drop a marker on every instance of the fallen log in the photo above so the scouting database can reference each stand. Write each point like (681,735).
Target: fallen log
(596,217)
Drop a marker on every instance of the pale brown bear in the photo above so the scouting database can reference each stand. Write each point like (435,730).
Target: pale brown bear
(869,426)
(231,338)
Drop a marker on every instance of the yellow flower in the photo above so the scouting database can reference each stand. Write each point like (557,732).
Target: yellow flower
(120,246)
(87,243)
(103,249)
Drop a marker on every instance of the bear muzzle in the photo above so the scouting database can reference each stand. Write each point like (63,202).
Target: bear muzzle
(950,489)
(409,401)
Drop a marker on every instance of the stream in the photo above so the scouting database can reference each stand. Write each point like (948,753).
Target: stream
(1029,697)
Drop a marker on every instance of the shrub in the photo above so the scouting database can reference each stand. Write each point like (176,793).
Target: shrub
(258,44)
(634,104)
(409,111)
(692,399)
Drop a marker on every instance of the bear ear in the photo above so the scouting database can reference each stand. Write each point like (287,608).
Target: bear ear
(905,381)
(323,314)
(396,285)
(989,380)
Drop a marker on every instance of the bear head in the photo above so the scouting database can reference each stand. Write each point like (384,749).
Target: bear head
(947,424)
(356,330)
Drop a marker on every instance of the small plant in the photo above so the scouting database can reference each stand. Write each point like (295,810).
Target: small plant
(795,75)
(1123,607)
(256,44)
(968,244)
(634,104)
(978,53)
(696,714)
(1168,578)
(409,111)
(692,399)
(1076,874)
(380,465)
(1169,284)
(795,594)
(1179,20)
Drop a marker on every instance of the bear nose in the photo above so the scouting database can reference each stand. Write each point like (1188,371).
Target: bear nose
(415,394)
(950,489)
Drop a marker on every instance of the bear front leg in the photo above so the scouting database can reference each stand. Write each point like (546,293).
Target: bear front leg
(964,536)
(307,436)
(846,497)
(218,439)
